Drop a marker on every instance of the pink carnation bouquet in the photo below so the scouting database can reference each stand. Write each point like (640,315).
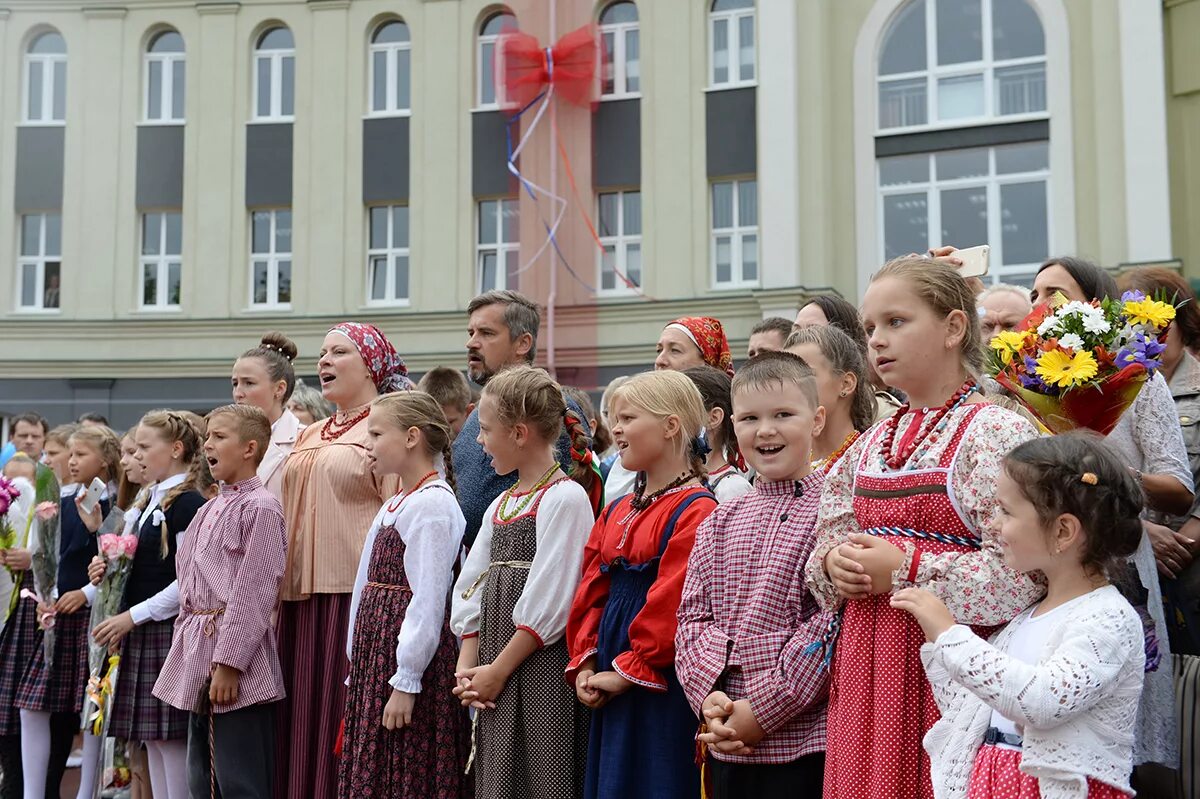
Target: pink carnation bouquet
(117,551)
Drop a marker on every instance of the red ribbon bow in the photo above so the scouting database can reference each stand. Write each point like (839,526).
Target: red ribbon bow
(570,66)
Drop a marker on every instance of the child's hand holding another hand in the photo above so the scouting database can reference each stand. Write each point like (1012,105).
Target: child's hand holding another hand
(929,611)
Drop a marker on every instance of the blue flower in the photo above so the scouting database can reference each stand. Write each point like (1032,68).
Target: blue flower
(1142,351)
(1133,296)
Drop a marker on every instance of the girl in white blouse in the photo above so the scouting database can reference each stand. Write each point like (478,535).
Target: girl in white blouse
(1048,703)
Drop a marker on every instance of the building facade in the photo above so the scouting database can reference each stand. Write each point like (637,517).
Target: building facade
(179,176)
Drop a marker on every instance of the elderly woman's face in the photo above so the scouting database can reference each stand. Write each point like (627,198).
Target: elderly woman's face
(677,352)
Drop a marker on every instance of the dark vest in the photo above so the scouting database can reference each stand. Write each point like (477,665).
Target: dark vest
(76,546)
(152,572)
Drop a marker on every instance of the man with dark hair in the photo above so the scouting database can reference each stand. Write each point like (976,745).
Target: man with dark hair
(502,331)
(29,434)
(93,419)
(769,335)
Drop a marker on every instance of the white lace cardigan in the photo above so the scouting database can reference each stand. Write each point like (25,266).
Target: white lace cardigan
(1077,705)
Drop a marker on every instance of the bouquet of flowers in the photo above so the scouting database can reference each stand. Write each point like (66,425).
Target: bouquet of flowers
(118,551)
(1080,364)
(45,557)
(16,518)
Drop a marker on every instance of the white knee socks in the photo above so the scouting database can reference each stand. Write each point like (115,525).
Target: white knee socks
(35,752)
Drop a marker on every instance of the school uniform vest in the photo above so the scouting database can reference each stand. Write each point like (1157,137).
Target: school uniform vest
(152,571)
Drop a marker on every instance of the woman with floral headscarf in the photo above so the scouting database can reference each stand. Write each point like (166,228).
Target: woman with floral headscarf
(694,341)
(330,497)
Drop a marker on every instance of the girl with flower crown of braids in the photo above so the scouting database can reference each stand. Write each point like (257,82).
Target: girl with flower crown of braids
(911,503)
(621,630)
(513,596)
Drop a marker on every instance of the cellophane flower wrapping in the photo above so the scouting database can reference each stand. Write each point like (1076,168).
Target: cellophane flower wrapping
(1081,365)
(117,550)
(45,557)
(16,518)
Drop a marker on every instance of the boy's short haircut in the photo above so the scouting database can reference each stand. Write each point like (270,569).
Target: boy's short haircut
(448,386)
(251,424)
(771,369)
(774,324)
(21,459)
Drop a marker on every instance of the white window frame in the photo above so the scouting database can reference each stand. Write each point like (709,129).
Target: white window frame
(493,39)
(736,234)
(620,243)
(40,261)
(999,271)
(733,19)
(500,247)
(986,67)
(50,63)
(393,255)
(391,93)
(273,260)
(168,63)
(275,57)
(619,61)
(161,263)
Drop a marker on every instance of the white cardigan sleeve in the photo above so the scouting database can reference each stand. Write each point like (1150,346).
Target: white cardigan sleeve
(464,614)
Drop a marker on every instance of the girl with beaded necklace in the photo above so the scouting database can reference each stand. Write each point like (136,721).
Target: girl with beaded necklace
(911,504)
(623,619)
(513,596)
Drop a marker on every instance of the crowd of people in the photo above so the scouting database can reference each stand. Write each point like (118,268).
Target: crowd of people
(851,568)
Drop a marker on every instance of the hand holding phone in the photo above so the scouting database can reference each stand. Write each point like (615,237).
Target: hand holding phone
(91,495)
(974,261)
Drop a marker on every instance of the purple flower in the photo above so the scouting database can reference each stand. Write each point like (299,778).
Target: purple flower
(1133,296)
(1142,351)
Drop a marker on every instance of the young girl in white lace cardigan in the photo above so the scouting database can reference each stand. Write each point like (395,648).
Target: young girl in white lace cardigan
(1046,707)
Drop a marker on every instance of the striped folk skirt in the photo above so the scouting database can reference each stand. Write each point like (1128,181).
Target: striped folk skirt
(21,637)
(58,690)
(137,714)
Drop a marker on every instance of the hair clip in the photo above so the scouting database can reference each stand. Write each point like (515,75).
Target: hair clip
(269,346)
(1089,478)
(700,445)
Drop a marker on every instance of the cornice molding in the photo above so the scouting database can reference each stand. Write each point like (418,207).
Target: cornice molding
(218,7)
(110,12)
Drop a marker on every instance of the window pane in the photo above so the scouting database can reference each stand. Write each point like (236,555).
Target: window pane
(174,233)
(260,232)
(487,73)
(260,282)
(720,34)
(497,23)
(379,81)
(608,266)
(724,254)
(903,103)
(511,267)
(633,263)
(722,205)
(747,203)
(960,97)
(401,277)
(400,226)
(49,43)
(178,88)
(1021,90)
(53,277)
(379,277)
(964,216)
(609,209)
(29,286)
(959,31)
(511,221)
(746,47)
(731,5)
(149,284)
(487,270)
(905,224)
(962,164)
(1023,223)
(34,110)
(379,222)
(154,90)
(31,234)
(900,169)
(904,45)
(60,91)
(617,13)
(488,209)
(167,42)
(633,213)
(633,63)
(151,234)
(403,79)
(283,231)
(285,281)
(750,258)
(53,235)
(288,105)
(263,107)
(607,85)
(1016,30)
(174,272)
(1029,157)
(391,32)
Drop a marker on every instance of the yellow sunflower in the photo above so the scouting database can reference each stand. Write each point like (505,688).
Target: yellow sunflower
(1058,368)
(1149,312)
(1008,343)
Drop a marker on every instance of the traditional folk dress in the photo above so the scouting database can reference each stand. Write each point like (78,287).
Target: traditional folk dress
(642,742)
(400,639)
(521,575)
(940,508)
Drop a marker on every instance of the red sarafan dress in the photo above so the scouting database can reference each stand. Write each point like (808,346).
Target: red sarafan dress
(939,507)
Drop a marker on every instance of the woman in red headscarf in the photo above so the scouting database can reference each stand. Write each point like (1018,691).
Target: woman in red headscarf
(330,497)
(694,341)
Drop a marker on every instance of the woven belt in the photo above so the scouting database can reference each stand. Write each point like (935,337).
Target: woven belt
(908,532)
(994,736)
(210,624)
(511,564)
(389,587)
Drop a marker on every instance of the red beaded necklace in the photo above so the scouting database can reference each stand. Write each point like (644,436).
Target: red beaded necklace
(837,454)
(332,431)
(897,460)
(395,504)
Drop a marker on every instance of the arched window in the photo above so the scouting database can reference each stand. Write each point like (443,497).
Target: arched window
(621,71)
(945,65)
(275,76)
(46,79)
(391,69)
(165,78)
(488,95)
(731,43)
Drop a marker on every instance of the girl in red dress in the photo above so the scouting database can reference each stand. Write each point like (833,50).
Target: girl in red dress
(912,503)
